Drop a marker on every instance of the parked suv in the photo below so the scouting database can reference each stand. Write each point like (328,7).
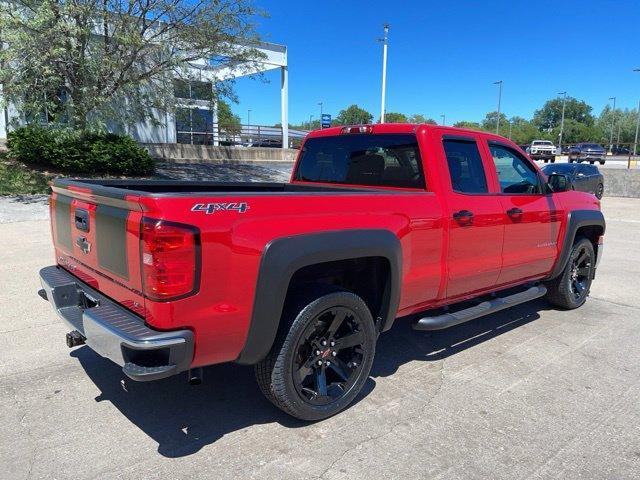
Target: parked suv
(587,152)
(542,150)
(299,279)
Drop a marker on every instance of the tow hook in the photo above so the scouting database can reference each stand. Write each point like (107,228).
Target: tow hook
(74,339)
(194,376)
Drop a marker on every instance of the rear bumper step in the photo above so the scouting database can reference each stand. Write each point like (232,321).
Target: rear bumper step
(114,332)
(447,320)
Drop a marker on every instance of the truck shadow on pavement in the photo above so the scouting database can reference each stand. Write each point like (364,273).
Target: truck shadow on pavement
(183,419)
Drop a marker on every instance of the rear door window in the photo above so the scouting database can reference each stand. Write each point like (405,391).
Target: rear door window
(390,160)
(465,166)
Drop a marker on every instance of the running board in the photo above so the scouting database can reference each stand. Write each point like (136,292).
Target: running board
(447,320)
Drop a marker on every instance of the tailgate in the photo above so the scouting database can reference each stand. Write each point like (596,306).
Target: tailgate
(96,233)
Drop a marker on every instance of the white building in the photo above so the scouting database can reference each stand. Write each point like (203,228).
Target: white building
(195,120)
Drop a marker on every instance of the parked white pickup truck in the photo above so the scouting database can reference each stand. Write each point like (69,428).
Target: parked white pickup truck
(542,150)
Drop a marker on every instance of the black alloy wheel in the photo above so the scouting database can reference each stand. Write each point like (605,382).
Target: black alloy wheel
(323,353)
(581,273)
(329,356)
(570,289)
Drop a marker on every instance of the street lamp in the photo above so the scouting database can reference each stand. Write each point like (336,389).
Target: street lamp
(635,142)
(444,119)
(499,83)
(385,43)
(564,103)
(320,103)
(310,121)
(613,122)
(248,117)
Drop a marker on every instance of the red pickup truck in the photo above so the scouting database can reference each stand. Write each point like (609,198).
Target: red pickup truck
(436,224)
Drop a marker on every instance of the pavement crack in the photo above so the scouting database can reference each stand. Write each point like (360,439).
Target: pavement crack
(390,431)
(619,304)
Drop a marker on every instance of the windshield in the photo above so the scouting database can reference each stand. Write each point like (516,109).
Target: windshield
(542,143)
(390,160)
(591,145)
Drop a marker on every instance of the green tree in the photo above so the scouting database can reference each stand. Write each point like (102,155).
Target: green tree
(490,121)
(227,120)
(87,61)
(469,125)
(550,114)
(394,117)
(521,130)
(419,118)
(353,115)
(622,121)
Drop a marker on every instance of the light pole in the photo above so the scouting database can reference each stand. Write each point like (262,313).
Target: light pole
(385,43)
(321,104)
(499,83)
(248,117)
(635,142)
(310,121)
(564,103)
(510,125)
(444,119)
(613,122)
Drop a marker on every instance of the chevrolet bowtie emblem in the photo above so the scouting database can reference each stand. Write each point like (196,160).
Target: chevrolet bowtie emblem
(84,245)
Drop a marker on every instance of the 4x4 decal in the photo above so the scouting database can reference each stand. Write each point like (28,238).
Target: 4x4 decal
(210,208)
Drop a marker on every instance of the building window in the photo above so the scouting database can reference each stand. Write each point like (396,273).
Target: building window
(194,125)
(193,90)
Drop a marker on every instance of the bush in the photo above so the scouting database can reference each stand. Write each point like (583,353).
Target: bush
(79,152)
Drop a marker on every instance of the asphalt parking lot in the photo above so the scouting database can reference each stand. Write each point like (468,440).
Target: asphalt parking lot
(528,393)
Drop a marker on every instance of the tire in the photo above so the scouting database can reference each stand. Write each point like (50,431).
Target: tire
(290,376)
(599,191)
(591,162)
(601,162)
(563,291)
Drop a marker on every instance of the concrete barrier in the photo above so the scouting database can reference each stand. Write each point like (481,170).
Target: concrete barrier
(186,153)
(621,182)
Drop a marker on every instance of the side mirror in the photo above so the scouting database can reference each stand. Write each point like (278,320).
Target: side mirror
(558,182)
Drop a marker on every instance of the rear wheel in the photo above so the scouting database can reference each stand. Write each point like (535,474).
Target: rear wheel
(599,191)
(319,364)
(570,289)
(601,162)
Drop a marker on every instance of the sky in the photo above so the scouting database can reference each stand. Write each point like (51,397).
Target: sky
(445,56)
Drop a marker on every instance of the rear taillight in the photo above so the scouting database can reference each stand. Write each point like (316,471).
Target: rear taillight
(170,259)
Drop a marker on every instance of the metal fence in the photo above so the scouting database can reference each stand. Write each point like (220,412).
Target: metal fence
(242,135)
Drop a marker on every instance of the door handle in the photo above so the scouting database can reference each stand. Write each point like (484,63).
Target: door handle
(514,212)
(463,216)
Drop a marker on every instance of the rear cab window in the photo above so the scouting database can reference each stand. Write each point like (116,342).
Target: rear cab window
(386,160)
(466,169)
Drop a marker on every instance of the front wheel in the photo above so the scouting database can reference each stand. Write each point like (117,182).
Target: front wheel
(570,289)
(319,364)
